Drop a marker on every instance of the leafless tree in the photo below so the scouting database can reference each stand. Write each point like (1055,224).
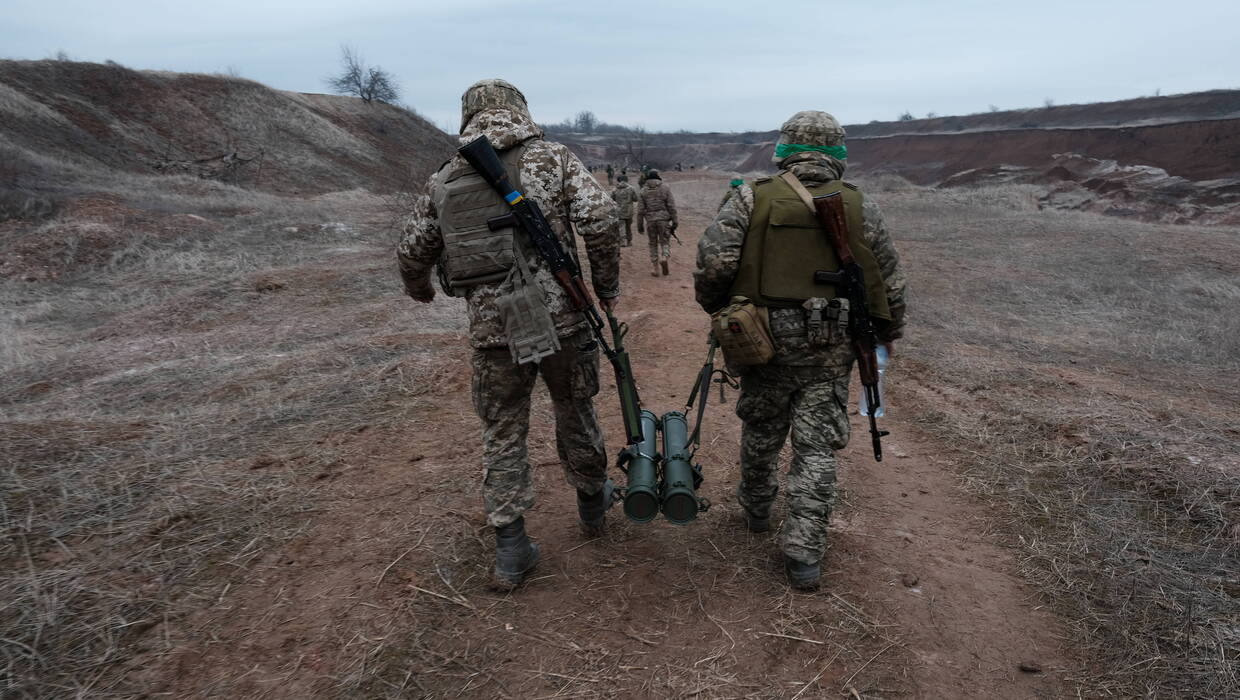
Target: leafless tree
(635,141)
(371,83)
(585,122)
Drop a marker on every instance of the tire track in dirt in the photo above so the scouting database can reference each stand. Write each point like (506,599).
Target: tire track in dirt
(385,593)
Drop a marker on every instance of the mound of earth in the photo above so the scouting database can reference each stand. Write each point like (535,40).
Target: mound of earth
(1142,192)
(64,123)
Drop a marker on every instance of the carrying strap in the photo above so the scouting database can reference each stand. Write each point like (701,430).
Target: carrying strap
(701,390)
(797,187)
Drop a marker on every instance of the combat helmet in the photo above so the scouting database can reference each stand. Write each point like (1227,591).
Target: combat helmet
(810,130)
(488,94)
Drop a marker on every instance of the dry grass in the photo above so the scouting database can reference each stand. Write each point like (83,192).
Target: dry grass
(162,411)
(1084,368)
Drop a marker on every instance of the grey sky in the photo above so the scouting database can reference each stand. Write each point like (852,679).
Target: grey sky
(669,65)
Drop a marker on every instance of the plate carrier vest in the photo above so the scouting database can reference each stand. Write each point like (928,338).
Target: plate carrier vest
(473,253)
(785,245)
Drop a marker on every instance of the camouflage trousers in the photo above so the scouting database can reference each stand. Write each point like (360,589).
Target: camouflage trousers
(659,233)
(501,393)
(628,229)
(812,403)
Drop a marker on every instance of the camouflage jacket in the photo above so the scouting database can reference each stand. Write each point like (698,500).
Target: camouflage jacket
(570,198)
(656,202)
(625,196)
(719,253)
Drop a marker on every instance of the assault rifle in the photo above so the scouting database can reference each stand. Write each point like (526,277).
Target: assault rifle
(830,211)
(525,215)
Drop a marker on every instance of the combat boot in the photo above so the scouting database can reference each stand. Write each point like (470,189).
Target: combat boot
(592,508)
(663,264)
(515,555)
(802,576)
(654,269)
(757,523)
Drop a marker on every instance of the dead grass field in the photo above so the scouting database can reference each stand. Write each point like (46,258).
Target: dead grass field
(1083,370)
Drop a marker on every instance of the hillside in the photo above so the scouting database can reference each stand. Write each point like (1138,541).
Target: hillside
(1147,131)
(1173,159)
(67,127)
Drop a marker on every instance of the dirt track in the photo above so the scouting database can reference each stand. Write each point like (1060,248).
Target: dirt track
(385,591)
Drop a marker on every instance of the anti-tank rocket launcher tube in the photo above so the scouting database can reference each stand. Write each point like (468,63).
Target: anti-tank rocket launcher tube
(526,215)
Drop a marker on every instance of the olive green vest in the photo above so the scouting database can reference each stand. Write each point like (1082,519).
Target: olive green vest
(785,246)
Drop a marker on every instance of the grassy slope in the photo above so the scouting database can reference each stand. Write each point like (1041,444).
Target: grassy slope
(167,334)
(1084,371)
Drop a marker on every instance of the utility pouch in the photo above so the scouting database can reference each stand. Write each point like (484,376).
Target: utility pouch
(818,322)
(527,321)
(743,330)
(837,319)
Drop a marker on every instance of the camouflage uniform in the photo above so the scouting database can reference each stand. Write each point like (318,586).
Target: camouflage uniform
(567,193)
(803,389)
(657,211)
(625,198)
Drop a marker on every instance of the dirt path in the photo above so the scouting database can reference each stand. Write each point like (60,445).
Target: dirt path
(384,594)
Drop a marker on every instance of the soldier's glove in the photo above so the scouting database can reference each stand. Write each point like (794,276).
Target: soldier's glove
(641,226)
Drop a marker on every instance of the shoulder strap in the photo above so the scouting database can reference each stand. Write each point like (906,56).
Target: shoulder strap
(797,187)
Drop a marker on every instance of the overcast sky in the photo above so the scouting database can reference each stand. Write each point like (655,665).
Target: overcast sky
(702,66)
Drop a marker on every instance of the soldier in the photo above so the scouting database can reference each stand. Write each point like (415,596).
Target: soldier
(611,173)
(625,197)
(448,228)
(657,211)
(805,386)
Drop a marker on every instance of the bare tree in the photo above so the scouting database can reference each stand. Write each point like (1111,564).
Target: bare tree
(585,122)
(371,83)
(635,141)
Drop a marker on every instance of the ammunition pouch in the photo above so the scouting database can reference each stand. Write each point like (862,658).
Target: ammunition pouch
(826,321)
(530,330)
(743,331)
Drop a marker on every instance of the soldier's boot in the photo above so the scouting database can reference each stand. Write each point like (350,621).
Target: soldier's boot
(663,264)
(515,555)
(592,508)
(654,269)
(757,523)
(802,576)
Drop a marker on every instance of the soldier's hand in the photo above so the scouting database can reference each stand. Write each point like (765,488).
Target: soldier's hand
(609,305)
(424,293)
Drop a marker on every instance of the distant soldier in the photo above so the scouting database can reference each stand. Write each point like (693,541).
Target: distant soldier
(732,187)
(626,199)
(657,212)
(804,387)
(611,173)
(496,273)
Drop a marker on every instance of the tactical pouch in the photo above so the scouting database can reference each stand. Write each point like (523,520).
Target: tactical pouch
(826,320)
(743,330)
(527,321)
